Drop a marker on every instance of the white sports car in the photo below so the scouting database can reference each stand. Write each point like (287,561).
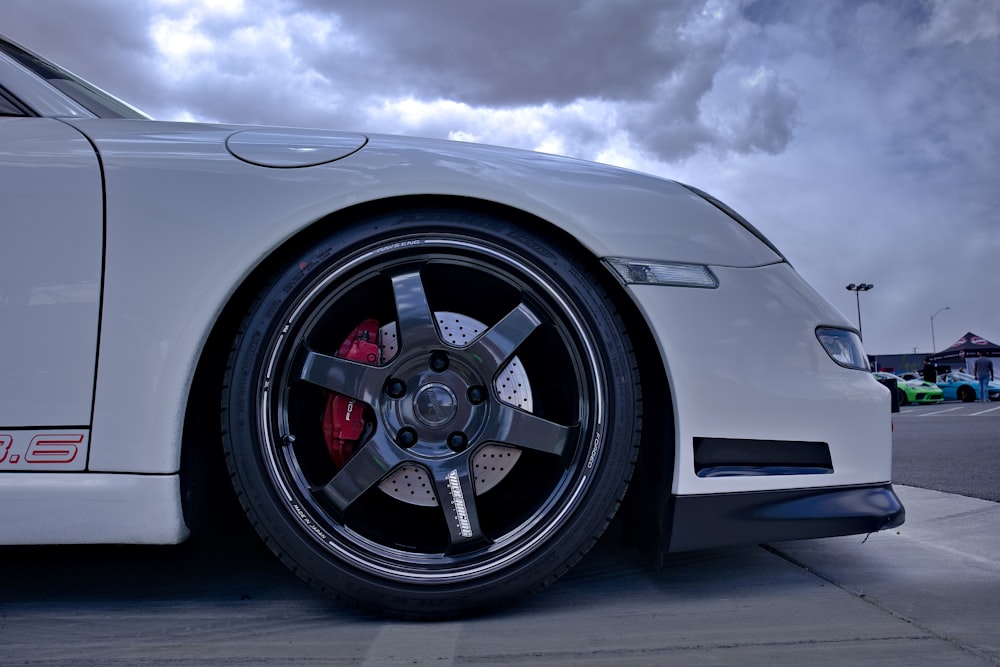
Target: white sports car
(435,372)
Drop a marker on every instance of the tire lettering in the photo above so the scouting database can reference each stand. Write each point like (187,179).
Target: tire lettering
(397,245)
(594,450)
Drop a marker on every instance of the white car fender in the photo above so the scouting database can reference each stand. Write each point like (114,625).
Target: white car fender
(187,223)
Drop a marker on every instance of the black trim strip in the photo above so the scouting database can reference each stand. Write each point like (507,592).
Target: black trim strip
(718,520)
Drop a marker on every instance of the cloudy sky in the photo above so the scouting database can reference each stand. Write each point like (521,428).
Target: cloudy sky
(862,137)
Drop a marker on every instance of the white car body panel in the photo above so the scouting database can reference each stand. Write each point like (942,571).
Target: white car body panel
(767,378)
(50,273)
(87,508)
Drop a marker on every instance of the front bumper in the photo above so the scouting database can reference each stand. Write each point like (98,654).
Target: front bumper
(710,521)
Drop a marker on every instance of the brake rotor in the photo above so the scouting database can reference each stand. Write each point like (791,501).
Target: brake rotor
(491,463)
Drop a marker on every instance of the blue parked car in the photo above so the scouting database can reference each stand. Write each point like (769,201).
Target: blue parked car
(958,386)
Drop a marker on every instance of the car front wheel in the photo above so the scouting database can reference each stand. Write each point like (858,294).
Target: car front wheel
(431,413)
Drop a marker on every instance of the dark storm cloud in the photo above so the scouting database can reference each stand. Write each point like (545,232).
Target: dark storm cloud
(518,52)
(861,135)
(898,135)
(657,60)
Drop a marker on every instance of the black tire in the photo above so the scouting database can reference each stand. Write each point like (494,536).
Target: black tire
(519,407)
(903,400)
(966,394)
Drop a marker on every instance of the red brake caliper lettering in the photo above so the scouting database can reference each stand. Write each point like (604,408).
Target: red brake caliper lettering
(343,419)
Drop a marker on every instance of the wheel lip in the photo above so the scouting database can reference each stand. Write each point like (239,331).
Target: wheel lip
(386,561)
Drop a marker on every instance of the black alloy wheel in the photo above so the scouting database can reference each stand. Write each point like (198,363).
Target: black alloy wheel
(432,413)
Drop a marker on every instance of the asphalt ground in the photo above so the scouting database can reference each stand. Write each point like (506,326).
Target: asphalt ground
(926,593)
(953,447)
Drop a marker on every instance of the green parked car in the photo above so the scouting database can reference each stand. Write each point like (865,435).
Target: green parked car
(913,391)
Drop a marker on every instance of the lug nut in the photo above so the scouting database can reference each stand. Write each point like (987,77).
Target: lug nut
(395,388)
(477,394)
(457,442)
(439,362)
(406,437)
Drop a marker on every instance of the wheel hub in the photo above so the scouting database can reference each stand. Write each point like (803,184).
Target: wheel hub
(435,405)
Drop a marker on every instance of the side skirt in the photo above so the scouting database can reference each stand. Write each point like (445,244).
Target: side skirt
(91,508)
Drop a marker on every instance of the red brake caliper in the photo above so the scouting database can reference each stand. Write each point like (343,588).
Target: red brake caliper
(343,419)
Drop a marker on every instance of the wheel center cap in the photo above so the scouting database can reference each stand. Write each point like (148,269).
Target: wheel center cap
(435,404)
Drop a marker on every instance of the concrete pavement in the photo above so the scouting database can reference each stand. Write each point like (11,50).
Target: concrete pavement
(938,573)
(926,593)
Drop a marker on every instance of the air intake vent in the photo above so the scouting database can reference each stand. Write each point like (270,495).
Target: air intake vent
(726,457)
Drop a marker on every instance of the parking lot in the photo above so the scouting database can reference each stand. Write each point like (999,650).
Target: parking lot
(925,593)
(952,409)
(950,447)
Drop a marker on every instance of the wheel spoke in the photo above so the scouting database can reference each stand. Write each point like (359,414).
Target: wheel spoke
(415,324)
(517,428)
(453,483)
(365,469)
(350,378)
(499,343)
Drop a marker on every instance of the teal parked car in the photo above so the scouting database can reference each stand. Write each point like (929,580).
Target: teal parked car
(959,386)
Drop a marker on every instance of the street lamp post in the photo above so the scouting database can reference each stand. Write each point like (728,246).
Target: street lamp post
(933,342)
(858,289)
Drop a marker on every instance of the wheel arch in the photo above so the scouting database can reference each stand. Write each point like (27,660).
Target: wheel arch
(209,501)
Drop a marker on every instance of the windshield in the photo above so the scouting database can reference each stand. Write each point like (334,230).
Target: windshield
(90,97)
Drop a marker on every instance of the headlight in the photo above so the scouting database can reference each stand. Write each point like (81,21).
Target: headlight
(844,347)
(639,272)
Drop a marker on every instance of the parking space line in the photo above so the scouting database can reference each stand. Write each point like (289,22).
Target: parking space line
(941,412)
(986,411)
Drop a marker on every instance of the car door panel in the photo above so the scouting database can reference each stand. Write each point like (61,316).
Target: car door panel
(51,229)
